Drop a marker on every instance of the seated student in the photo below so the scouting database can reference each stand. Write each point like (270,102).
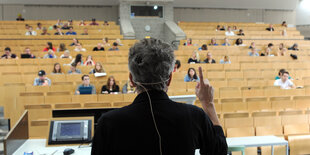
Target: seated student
(66,55)
(114,47)
(27,54)
(209,59)
(50,54)
(252,45)
(106,23)
(75,42)
(98,69)
(78,60)
(194,59)
(74,70)
(294,47)
(20,18)
(71,32)
(226,42)
(44,31)
(177,66)
(111,87)
(30,32)
(119,42)
(284,82)
(188,42)
(49,46)
(62,47)
(85,31)
(89,61)
(66,26)
(85,84)
(281,46)
(270,28)
(27,27)
(59,23)
(128,88)
(283,32)
(239,42)
(235,28)
(57,69)
(229,32)
(39,26)
(253,52)
(93,22)
(282,52)
(218,28)
(223,28)
(213,42)
(99,47)
(79,48)
(204,47)
(226,60)
(268,50)
(240,33)
(58,32)
(105,42)
(70,22)
(42,80)
(284,24)
(82,23)
(191,76)
(8,54)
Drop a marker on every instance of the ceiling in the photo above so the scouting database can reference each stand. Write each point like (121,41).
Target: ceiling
(238,4)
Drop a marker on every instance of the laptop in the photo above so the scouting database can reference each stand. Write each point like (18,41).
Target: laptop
(85,90)
(25,56)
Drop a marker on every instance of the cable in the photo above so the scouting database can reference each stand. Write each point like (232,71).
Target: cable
(151,108)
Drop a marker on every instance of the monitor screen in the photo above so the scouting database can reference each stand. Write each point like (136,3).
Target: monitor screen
(147,11)
(70,129)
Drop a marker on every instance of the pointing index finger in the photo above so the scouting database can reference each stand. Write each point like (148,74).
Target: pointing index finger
(200,75)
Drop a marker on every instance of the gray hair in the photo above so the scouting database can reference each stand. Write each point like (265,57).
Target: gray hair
(151,61)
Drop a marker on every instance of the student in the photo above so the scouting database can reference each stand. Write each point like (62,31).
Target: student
(82,23)
(74,42)
(44,31)
(239,42)
(213,42)
(177,66)
(8,54)
(229,32)
(294,47)
(50,54)
(49,46)
(20,18)
(42,80)
(268,50)
(71,32)
(253,52)
(30,32)
(191,76)
(111,87)
(209,59)
(270,28)
(74,70)
(98,68)
(284,24)
(204,47)
(226,42)
(252,45)
(79,48)
(99,47)
(188,42)
(284,82)
(114,47)
(27,54)
(240,33)
(194,59)
(105,42)
(78,60)
(85,31)
(58,31)
(85,84)
(61,48)
(89,61)
(225,60)
(93,22)
(57,69)
(281,71)
(66,55)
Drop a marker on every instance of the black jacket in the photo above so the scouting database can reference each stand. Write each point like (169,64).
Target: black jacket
(183,128)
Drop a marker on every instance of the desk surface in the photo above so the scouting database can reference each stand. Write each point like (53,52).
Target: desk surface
(37,146)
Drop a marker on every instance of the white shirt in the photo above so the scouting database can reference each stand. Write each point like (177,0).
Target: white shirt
(33,33)
(286,85)
(231,33)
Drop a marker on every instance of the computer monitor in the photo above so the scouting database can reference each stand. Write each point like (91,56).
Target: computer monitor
(85,90)
(70,131)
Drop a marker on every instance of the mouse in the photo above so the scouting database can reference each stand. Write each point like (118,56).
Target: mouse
(68,151)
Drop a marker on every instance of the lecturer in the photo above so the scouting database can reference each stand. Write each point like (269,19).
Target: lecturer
(153,124)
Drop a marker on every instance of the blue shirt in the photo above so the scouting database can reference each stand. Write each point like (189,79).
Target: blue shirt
(225,44)
(38,82)
(77,71)
(188,79)
(225,62)
(255,54)
(93,89)
(71,33)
